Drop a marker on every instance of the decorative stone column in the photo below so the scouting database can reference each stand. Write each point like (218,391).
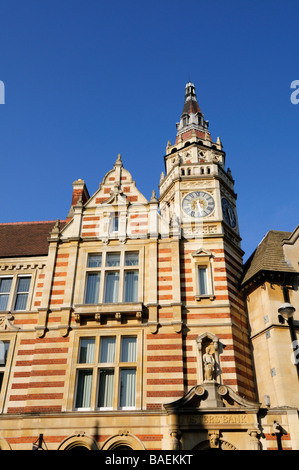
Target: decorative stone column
(174,432)
(254,439)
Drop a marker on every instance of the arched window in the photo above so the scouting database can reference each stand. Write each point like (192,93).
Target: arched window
(123,441)
(79,442)
(185,120)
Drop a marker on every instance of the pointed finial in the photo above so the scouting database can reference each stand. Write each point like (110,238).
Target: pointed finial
(219,143)
(153,198)
(55,230)
(118,160)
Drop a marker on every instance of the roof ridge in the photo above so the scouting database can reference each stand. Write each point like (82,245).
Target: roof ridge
(32,222)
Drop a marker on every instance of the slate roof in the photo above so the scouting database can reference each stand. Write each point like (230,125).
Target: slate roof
(191,107)
(25,238)
(268,256)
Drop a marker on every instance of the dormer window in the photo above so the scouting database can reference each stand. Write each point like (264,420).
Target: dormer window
(185,120)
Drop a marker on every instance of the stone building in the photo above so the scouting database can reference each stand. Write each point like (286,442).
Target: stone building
(133,324)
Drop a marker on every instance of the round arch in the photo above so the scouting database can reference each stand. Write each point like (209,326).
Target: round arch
(123,442)
(79,442)
(206,445)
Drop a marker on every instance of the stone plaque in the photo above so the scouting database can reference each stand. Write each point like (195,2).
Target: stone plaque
(219,419)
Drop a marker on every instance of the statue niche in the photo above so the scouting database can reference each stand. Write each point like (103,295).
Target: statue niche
(209,363)
(208,358)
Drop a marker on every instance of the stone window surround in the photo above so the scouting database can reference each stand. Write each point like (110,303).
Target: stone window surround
(97,366)
(81,279)
(13,290)
(11,338)
(203,259)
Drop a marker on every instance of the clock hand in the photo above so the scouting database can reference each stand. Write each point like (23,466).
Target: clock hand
(199,207)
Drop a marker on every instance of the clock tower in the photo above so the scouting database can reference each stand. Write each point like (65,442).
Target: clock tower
(197,192)
(198,208)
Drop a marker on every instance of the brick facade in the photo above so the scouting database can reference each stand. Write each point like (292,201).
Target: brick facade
(171,315)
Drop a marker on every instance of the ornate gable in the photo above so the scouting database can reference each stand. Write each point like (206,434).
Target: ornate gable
(116,181)
(116,210)
(210,395)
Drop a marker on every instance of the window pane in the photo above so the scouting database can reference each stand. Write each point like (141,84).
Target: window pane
(94,261)
(5,285)
(3,301)
(113,259)
(23,284)
(106,383)
(107,350)
(21,302)
(4,346)
(22,293)
(127,388)
(86,352)
(92,288)
(112,287)
(203,287)
(128,349)
(131,259)
(131,286)
(114,223)
(84,382)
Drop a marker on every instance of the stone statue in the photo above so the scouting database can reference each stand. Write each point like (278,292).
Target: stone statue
(209,364)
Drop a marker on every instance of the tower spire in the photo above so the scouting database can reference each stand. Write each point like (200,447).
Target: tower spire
(191,118)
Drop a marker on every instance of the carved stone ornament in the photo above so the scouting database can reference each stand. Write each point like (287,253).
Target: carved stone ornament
(175,439)
(211,395)
(77,317)
(199,390)
(214,439)
(6,322)
(222,390)
(97,317)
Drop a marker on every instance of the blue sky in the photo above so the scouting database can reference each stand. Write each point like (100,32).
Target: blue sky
(88,79)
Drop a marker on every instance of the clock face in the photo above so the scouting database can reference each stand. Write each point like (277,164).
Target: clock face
(198,204)
(228,213)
